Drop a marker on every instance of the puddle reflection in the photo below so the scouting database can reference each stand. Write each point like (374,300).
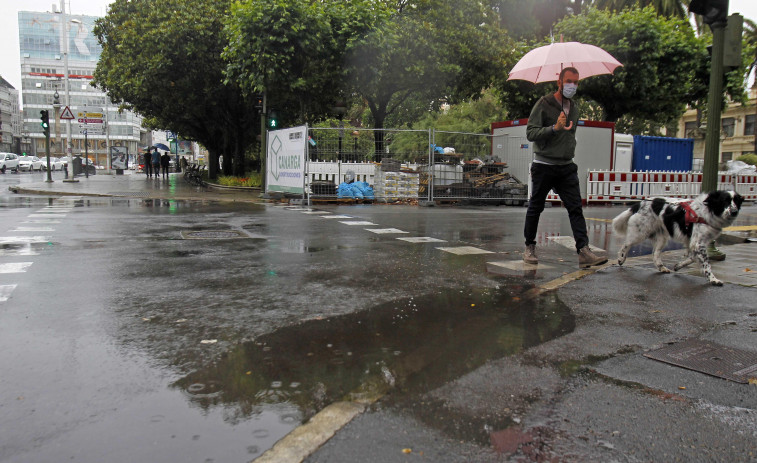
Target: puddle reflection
(408,346)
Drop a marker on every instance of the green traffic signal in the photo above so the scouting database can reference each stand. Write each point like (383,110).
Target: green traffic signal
(45,117)
(273,122)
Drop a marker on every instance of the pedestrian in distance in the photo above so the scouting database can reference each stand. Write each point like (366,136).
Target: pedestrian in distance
(148,163)
(165,161)
(552,127)
(156,163)
(183,164)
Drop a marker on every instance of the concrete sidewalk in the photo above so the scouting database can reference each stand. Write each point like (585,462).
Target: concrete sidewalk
(139,186)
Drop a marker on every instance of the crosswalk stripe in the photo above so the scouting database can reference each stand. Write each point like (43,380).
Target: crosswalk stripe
(32,229)
(23,239)
(465,250)
(15,267)
(422,239)
(5,292)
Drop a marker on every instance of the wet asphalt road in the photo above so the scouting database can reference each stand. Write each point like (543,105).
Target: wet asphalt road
(126,338)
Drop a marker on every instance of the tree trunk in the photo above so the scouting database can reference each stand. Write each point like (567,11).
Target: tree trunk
(213,163)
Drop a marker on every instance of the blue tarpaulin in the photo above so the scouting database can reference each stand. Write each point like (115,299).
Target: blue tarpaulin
(358,190)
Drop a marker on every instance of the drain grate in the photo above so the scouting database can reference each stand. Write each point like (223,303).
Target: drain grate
(134,194)
(213,235)
(710,358)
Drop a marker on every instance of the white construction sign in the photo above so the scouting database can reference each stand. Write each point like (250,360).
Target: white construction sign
(285,160)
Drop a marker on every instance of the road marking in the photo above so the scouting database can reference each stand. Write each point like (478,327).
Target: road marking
(599,220)
(741,228)
(515,267)
(337,217)
(32,229)
(5,292)
(15,267)
(465,250)
(41,221)
(422,239)
(24,250)
(316,212)
(385,230)
(23,239)
(43,215)
(569,242)
(357,222)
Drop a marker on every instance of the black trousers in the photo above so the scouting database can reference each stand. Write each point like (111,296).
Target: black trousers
(563,179)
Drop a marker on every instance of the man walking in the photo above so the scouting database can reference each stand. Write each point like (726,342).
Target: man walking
(165,162)
(156,163)
(147,158)
(552,127)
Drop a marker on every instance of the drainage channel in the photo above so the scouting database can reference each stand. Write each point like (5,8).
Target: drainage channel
(405,347)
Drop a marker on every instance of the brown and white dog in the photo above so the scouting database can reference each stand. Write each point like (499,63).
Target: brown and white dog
(693,223)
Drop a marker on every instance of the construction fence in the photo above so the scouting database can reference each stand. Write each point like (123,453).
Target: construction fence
(409,166)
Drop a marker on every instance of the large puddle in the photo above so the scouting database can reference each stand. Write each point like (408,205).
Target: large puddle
(408,346)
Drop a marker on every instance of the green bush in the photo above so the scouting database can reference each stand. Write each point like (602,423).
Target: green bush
(750,159)
(253,179)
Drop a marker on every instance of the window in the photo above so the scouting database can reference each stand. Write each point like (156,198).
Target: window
(728,124)
(689,129)
(749,124)
(727,156)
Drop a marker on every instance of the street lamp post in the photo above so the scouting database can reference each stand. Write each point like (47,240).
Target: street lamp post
(69,144)
(56,107)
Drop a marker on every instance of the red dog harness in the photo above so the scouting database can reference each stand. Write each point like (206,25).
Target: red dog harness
(691,216)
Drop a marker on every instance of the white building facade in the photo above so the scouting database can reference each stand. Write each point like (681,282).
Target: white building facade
(10,118)
(43,54)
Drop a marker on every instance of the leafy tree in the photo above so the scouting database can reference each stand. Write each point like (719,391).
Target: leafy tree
(664,66)
(426,51)
(674,8)
(162,58)
(294,51)
(750,51)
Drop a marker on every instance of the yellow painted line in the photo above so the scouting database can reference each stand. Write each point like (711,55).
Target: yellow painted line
(734,228)
(306,439)
(741,228)
(598,220)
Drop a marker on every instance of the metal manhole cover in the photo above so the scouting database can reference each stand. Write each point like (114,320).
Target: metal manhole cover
(710,358)
(136,194)
(213,235)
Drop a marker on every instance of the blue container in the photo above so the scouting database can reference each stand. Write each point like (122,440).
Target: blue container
(662,153)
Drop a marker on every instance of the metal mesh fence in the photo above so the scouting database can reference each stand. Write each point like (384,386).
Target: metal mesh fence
(407,166)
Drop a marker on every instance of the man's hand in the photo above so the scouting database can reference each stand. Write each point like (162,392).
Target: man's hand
(560,124)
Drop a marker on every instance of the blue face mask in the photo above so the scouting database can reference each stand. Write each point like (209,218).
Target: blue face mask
(569,90)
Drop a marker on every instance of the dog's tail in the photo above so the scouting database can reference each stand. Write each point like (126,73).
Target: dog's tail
(620,223)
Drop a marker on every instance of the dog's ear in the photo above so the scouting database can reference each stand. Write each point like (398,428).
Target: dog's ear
(738,200)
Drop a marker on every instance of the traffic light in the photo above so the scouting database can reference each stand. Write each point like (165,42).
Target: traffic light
(45,117)
(258,101)
(712,11)
(273,122)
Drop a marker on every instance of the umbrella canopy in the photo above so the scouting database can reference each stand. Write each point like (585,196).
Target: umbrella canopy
(161,146)
(544,64)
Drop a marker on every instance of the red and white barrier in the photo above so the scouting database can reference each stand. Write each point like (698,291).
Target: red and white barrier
(606,186)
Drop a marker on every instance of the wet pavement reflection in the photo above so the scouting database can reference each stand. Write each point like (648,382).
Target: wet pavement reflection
(404,348)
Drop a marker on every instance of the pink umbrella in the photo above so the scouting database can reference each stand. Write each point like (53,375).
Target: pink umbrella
(544,64)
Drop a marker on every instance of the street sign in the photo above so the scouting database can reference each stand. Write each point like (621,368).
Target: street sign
(92,130)
(67,114)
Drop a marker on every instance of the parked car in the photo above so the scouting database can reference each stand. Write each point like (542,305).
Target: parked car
(29,163)
(8,161)
(55,163)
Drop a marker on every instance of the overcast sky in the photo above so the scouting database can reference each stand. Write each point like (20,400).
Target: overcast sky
(10,64)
